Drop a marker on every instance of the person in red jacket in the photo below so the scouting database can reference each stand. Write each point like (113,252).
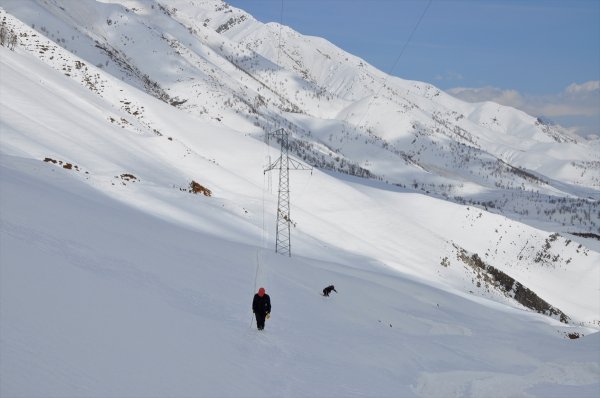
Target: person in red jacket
(261,306)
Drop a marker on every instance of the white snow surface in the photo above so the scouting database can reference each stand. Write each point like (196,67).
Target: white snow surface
(115,281)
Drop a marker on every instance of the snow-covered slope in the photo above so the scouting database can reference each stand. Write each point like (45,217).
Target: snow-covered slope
(100,299)
(116,280)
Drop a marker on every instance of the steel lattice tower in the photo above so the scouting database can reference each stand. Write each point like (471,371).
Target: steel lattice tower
(284,163)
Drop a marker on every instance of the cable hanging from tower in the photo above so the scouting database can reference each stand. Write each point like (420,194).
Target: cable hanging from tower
(264,235)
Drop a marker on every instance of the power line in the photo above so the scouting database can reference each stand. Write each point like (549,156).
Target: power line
(406,43)
(410,37)
(280,26)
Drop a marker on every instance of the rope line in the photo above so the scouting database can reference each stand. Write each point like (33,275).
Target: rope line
(264,233)
(255,283)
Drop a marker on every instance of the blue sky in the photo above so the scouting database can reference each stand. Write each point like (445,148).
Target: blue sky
(542,56)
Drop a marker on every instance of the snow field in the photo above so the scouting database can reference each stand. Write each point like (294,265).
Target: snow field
(120,287)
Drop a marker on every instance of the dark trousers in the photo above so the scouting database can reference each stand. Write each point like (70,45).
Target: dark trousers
(260,320)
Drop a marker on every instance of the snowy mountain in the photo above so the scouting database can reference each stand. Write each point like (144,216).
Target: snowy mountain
(137,222)
(219,63)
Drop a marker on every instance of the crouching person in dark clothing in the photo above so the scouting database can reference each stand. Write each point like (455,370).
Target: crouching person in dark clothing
(261,306)
(328,290)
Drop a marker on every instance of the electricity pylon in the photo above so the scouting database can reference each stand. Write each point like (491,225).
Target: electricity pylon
(284,163)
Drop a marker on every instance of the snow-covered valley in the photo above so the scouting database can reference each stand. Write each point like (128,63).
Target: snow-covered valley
(456,264)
